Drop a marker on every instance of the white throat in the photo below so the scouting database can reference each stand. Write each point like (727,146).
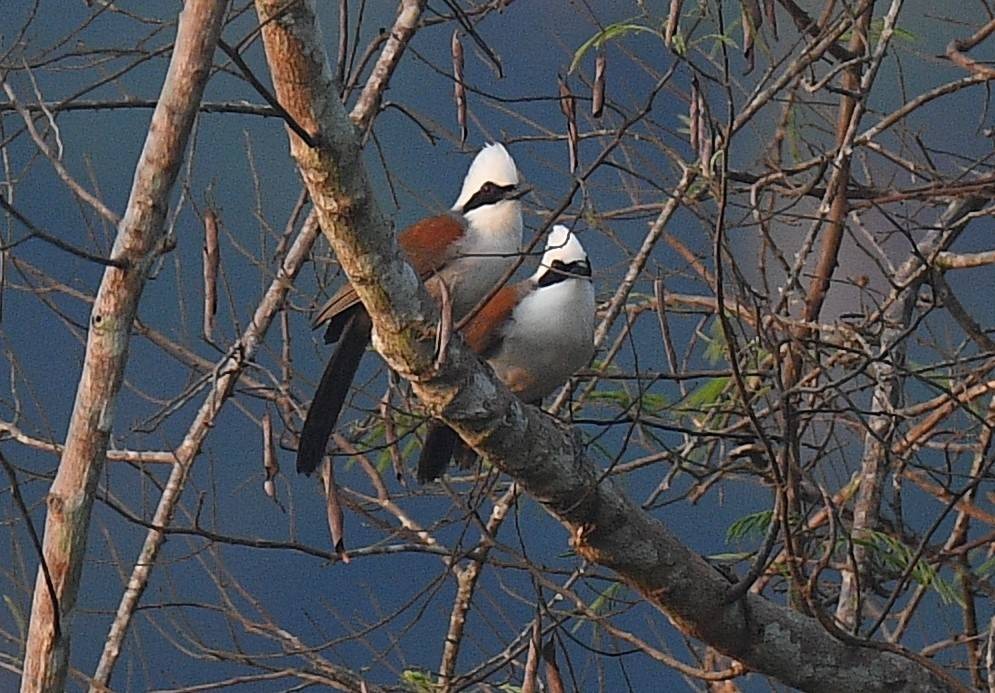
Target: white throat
(497,223)
(488,249)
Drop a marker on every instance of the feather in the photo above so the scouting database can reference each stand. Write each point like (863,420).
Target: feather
(333,388)
(428,244)
(440,442)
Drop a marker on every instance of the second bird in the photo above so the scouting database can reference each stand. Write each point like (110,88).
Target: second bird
(535,334)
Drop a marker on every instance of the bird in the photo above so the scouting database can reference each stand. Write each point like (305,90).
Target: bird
(534,334)
(468,249)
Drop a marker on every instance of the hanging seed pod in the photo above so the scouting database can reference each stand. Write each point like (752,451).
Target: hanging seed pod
(3,280)
(673,19)
(694,115)
(753,19)
(529,676)
(771,17)
(270,464)
(598,91)
(554,681)
(707,146)
(459,88)
(333,507)
(390,429)
(212,259)
(700,127)
(568,105)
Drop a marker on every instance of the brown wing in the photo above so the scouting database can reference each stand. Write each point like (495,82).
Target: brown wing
(431,243)
(342,300)
(428,245)
(483,333)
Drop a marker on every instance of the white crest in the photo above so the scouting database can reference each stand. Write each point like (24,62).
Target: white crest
(493,163)
(561,245)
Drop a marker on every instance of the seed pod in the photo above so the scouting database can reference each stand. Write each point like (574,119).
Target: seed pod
(459,88)
(771,17)
(270,464)
(673,18)
(694,115)
(529,676)
(753,19)
(333,507)
(701,127)
(554,681)
(212,259)
(598,91)
(568,105)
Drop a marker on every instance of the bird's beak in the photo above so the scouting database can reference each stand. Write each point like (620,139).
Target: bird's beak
(518,193)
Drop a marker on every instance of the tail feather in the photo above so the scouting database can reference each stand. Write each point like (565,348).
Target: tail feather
(336,325)
(440,442)
(332,390)
(464,456)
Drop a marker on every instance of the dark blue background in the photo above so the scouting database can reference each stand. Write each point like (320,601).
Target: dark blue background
(241,164)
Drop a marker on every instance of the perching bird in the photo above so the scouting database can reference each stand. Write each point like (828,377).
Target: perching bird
(535,334)
(468,249)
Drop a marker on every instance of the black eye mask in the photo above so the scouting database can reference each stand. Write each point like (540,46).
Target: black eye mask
(561,271)
(488,194)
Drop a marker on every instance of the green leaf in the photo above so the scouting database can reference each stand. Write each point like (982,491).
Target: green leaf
(948,593)
(679,45)
(715,347)
(985,569)
(648,403)
(603,602)
(874,33)
(17,615)
(894,554)
(755,523)
(730,557)
(705,395)
(609,33)
(417,681)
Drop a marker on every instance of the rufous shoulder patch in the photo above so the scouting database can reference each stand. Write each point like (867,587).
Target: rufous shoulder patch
(483,332)
(429,243)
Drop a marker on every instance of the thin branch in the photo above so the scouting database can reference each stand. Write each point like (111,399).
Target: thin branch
(139,234)
(35,232)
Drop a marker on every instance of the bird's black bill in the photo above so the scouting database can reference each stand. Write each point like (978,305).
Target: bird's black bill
(517,193)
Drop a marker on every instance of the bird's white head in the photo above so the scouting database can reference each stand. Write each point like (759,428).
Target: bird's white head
(490,199)
(564,258)
(493,164)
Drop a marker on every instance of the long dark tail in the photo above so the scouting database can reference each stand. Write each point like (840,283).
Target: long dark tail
(332,390)
(440,443)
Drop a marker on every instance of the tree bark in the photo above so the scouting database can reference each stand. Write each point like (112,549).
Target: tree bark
(539,452)
(139,238)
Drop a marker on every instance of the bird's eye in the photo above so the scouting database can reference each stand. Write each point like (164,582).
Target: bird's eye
(487,187)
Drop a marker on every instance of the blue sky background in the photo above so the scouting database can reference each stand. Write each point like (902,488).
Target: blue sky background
(241,164)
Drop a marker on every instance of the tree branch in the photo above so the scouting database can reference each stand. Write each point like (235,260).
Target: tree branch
(230,370)
(70,498)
